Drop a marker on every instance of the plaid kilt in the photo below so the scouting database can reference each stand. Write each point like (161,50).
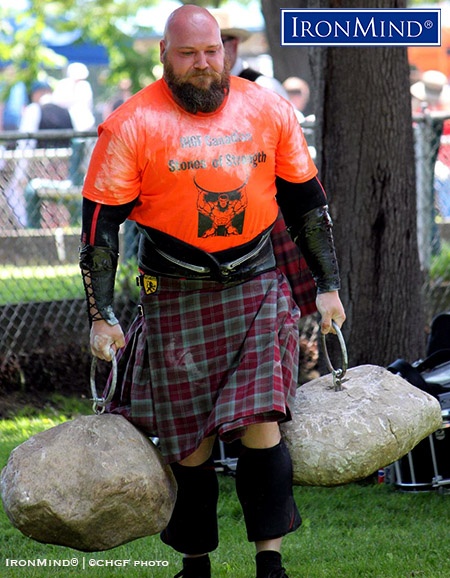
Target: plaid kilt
(291,262)
(205,359)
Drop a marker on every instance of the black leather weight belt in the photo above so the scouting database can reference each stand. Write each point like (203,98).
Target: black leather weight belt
(162,254)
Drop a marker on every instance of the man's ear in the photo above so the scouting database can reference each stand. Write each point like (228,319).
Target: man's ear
(162,50)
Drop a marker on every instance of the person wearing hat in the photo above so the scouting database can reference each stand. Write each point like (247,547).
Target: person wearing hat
(40,114)
(44,114)
(431,90)
(74,92)
(232,37)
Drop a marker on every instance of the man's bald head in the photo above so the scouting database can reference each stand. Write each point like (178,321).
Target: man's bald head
(193,57)
(190,19)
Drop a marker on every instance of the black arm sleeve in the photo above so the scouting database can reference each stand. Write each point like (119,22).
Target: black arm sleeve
(305,211)
(101,223)
(296,199)
(315,240)
(99,253)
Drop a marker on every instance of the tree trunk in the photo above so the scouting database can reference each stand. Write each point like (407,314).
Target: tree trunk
(368,171)
(367,166)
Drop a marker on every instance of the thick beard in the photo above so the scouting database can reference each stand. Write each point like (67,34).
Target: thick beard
(194,99)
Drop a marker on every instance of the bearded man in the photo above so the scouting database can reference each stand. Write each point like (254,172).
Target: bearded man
(214,350)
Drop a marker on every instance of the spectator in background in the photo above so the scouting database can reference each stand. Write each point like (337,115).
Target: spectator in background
(14,106)
(298,93)
(431,91)
(124,92)
(75,94)
(41,114)
(14,99)
(232,37)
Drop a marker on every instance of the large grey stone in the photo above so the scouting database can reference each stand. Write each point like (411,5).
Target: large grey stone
(336,437)
(92,484)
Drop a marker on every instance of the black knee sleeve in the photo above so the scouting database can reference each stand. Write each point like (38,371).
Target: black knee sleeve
(193,526)
(264,488)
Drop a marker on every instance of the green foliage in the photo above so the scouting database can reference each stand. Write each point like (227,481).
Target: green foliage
(440,264)
(24,47)
(211,3)
(110,23)
(102,22)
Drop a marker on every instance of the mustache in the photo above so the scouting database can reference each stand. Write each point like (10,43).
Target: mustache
(202,73)
(195,98)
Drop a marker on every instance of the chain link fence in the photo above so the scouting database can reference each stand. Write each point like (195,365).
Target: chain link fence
(41,294)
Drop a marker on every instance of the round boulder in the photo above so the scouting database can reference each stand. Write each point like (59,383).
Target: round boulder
(91,484)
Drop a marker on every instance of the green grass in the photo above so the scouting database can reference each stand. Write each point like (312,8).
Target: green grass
(50,283)
(353,531)
(54,283)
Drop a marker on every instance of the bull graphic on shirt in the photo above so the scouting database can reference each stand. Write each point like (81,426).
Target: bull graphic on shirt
(221,213)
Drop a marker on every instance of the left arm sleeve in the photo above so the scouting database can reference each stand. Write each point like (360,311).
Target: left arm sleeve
(296,199)
(306,214)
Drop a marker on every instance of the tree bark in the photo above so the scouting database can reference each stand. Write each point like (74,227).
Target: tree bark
(368,171)
(367,165)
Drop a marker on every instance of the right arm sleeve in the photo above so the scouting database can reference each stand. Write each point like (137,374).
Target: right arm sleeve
(101,223)
(99,254)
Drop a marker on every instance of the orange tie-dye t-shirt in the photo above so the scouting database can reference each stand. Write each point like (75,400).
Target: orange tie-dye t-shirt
(207,179)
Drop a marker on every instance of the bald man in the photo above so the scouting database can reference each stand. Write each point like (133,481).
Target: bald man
(214,351)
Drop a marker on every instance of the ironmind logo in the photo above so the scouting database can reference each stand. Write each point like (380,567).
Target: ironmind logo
(360,27)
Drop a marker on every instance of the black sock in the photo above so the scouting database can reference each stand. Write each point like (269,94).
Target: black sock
(264,489)
(267,560)
(193,526)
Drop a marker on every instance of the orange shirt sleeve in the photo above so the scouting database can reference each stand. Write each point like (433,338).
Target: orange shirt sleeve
(113,177)
(293,160)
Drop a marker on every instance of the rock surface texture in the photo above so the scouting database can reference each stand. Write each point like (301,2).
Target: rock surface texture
(337,437)
(92,484)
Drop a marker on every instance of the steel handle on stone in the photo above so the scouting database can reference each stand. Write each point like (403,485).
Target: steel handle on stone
(100,402)
(337,374)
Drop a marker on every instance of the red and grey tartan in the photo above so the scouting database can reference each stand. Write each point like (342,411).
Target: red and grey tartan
(205,358)
(291,262)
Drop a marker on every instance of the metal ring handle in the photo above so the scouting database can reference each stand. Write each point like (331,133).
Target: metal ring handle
(101,402)
(337,374)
